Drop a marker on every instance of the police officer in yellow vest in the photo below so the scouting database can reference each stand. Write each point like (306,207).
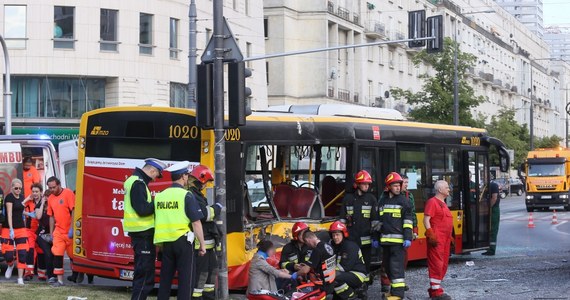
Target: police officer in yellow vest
(138,221)
(177,223)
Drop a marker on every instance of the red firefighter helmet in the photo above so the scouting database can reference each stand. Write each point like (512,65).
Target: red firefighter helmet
(393,178)
(298,227)
(202,173)
(362,177)
(339,226)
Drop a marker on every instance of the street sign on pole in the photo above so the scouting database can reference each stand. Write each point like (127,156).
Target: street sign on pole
(230,47)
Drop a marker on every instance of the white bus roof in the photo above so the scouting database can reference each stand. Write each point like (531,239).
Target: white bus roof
(344,110)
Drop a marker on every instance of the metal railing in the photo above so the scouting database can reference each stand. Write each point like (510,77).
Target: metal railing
(343,95)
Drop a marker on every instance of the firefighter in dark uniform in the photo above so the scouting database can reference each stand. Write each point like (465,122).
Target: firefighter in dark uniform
(177,223)
(359,213)
(351,271)
(322,263)
(138,221)
(295,252)
(206,267)
(396,223)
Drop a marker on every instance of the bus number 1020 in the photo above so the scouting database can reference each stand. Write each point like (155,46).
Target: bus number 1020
(183,132)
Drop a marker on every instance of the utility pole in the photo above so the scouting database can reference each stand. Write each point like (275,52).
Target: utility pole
(192,54)
(220,147)
(7,90)
(455,78)
(531,121)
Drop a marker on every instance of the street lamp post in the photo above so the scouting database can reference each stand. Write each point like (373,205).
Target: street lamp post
(7,90)
(455,72)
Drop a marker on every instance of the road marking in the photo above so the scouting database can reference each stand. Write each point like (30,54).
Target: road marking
(555,228)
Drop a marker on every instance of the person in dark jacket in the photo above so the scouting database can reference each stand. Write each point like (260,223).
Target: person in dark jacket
(359,213)
(207,266)
(321,264)
(138,221)
(295,252)
(350,269)
(396,224)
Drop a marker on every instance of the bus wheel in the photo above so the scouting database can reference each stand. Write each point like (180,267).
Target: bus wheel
(529,209)
(567,208)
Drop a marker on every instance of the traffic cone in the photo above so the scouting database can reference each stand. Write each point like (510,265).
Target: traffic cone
(530,221)
(554,218)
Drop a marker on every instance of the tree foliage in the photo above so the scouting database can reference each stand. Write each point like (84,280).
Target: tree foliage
(504,126)
(434,103)
(547,142)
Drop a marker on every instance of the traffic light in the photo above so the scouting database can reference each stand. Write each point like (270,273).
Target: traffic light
(435,29)
(238,93)
(204,95)
(416,27)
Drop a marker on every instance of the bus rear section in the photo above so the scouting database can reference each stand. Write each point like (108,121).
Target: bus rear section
(546,181)
(111,146)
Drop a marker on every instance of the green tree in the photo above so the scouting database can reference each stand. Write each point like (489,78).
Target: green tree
(504,126)
(547,142)
(434,103)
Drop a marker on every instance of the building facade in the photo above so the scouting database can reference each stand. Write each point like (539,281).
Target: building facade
(528,12)
(507,54)
(558,37)
(69,57)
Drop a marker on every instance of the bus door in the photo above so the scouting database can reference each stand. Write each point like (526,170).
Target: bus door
(476,205)
(378,161)
(68,163)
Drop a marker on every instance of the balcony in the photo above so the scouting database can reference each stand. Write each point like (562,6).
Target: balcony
(330,7)
(514,89)
(488,78)
(375,30)
(497,83)
(330,92)
(344,95)
(343,13)
(399,35)
(356,19)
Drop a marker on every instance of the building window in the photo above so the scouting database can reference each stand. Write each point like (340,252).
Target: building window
(208,35)
(174,38)
(235,4)
(178,94)
(267,72)
(63,27)
(247,7)
(108,30)
(15,26)
(56,97)
(145,34)
(266,27)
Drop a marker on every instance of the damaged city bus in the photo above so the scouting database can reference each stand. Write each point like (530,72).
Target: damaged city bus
(286,165)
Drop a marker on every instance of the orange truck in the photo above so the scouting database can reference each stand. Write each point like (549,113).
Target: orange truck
(547,179)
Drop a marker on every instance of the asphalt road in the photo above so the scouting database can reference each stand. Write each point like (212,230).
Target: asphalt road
(530,263)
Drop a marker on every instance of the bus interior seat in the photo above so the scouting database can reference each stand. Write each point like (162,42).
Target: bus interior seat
(282,197)
(306,204)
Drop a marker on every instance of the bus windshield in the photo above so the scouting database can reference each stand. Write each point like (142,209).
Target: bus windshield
(545,170)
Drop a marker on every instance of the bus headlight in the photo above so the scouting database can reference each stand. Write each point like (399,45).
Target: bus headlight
(77,250)
(529,197)
(78,224)
(78,241)
(565,196)
(78,232)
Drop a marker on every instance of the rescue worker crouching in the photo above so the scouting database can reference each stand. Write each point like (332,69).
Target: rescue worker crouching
(351,271)
(295,252)
(395,233)
(359,213)
(206,267)
(177,222)
(321,264)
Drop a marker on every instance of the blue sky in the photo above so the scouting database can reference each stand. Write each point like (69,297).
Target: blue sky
(556,12)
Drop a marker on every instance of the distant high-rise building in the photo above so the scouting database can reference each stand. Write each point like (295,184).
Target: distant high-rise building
(558,37)
(528,12)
